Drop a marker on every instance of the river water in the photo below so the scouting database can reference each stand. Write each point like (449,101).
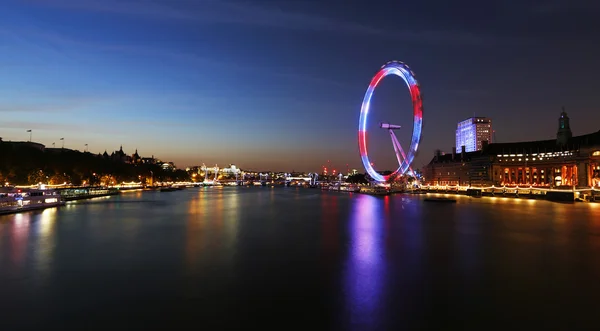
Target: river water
(290,258)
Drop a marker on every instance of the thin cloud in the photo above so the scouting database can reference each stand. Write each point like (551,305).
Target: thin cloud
(59,40)
(241,13)
(45,102)
(33,108)
(36,125)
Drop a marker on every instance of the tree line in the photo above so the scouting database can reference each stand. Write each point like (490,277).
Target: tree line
(26,165)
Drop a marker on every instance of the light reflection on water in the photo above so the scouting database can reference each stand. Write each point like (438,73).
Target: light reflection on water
(330,222)
(365,267)
(19,240)
(212,217)
(382,259)
(46,240)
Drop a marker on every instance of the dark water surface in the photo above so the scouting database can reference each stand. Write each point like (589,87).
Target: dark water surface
(286,258)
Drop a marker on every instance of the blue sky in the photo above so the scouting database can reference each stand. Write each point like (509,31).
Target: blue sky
(278,84)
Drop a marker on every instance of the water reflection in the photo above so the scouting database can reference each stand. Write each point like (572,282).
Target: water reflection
(467,240)
(43,230)
(197,212)
(46,241)
(28,243)
(211,227)
(329,223)
(232,217)
(390,262)
(366,265)
(19,239)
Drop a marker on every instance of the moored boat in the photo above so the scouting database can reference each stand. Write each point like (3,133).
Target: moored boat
(14,200)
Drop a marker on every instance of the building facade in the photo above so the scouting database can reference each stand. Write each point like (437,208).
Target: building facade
(472,132)
(231,170)
(566,161)
(448,169)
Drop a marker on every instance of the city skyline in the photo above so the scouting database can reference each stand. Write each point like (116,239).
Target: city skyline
(281,87)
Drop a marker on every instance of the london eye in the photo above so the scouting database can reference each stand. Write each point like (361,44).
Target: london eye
(404,159)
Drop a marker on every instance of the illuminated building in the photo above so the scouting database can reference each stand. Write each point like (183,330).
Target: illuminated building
(149,160)
(448,169)
(232,169)
(168,166)
(472,132)
(566,161)
(135,158)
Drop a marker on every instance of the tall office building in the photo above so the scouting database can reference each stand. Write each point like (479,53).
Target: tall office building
(472,132)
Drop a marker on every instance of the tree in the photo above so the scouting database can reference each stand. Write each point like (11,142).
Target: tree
(36,177)
(393,179)
(357,179)
(21,164)
(58,179)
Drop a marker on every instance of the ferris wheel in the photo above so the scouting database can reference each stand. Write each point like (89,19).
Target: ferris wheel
(404,159)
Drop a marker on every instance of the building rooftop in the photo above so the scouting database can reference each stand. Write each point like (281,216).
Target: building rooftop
(538,146)
(575,143)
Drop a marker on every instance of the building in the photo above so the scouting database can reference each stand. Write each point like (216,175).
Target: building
(566,161)
(472,132)
(135,158)
(120,156)
(231,170)
(169,166)
(563,135)
(23,145)
(448,169)
(149,160)
(194,169)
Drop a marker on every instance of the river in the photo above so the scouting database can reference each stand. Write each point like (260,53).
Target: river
(290,258)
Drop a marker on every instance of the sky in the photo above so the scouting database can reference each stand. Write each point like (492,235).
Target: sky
(278,85)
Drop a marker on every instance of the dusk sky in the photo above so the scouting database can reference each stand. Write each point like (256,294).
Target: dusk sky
(278,84)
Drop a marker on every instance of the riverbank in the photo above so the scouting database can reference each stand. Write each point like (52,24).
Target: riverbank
(524,193)
(556,195)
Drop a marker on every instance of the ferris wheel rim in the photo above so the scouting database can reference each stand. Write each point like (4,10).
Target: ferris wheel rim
(402,70)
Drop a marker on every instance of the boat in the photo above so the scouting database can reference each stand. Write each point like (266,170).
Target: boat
(14,200)
(79,193)
(436,199)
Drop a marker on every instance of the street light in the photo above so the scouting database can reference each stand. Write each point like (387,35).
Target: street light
(29,135)
(86,147)
(63,142)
